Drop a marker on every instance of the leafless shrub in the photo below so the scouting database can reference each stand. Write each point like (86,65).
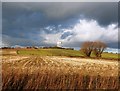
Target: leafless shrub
(99,48)
(87,48)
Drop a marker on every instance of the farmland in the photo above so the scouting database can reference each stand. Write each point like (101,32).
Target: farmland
(57,69)
(60,52)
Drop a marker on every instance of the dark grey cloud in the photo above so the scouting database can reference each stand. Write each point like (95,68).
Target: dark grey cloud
(29,20)
(66,34)
(104,12)
(119,14)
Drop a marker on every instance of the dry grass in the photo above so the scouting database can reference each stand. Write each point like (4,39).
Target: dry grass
(38,73)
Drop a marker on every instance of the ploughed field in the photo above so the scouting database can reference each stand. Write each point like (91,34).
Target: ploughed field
(58,72)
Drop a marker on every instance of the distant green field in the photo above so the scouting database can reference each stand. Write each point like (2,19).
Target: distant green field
(62,52)
(110,55)
(51,52)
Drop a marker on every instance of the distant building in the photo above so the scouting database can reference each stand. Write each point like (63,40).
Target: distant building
(59,44)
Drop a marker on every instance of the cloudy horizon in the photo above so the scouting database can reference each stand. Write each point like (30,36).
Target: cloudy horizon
(44,24)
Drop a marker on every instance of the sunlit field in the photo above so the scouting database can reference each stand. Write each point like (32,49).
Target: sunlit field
(44,69)
(56,52)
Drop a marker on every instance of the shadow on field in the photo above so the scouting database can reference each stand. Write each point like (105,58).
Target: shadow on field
(39,81)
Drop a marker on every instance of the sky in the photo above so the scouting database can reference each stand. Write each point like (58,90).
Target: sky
(46,23)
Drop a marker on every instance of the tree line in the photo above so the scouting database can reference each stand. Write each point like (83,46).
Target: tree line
(97,47)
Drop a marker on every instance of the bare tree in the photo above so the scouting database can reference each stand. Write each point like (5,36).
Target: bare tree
(87,48)
(99,48)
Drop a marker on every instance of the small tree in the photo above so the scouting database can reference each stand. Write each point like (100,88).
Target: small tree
(98,48)
(87,48)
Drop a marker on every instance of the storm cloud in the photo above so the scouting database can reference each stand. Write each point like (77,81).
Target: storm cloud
(43,24)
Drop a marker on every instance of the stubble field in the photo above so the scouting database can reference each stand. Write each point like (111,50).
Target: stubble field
(57,72)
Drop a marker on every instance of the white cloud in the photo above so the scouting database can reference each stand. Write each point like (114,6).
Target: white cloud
(90,30)
(84,30)
(113,50)
(50,38)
